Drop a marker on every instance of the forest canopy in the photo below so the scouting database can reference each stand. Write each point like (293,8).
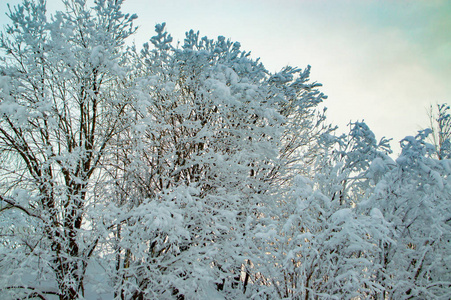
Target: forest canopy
(189,171)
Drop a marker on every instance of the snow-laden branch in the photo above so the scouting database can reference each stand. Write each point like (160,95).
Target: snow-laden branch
(13,204)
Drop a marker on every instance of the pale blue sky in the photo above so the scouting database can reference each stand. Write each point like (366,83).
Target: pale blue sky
(382,61)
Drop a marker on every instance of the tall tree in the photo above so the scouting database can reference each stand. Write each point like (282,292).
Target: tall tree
(318,243)
(63,100)
(215,137)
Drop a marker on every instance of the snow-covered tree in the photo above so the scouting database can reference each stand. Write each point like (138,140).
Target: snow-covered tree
(215,137)
(321,245)
(63,101)
(413,198)
(440,124)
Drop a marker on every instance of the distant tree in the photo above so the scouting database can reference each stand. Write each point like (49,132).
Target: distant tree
(440,123)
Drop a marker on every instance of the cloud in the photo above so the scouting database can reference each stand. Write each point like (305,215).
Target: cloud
(382,61)
(425,24)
